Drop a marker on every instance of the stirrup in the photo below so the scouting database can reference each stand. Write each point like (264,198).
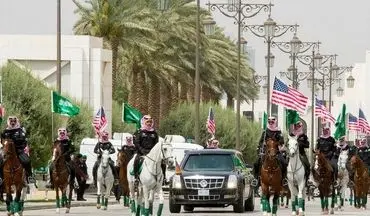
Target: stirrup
(254,182)
(116,181)
(31,180)
(285,182)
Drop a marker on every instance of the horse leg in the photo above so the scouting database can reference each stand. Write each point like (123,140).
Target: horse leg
(98,193)
(161,201)
(69,200)
(132,198)
(275,201)
(57,199)
(301,198)
(9,202)
(23,198)
(146,193)
(17,206)
(333,199)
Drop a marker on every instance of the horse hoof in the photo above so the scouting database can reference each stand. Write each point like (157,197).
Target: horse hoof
(98,206)
(9,214)
(286,206)
(336,208)
(269,214)
(332,211)
(264,214)
(294,213)
(16,214)
(67,210)
(105,208)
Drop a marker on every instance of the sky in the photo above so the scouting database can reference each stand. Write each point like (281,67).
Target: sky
(342,28)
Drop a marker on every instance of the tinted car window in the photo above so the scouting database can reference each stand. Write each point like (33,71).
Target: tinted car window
(219,162)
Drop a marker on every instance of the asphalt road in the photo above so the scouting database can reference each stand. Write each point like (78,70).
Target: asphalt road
(312,208)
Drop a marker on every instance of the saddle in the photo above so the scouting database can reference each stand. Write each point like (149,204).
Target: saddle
(141,160)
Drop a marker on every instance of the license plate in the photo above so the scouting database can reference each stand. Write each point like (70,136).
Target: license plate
(203,192)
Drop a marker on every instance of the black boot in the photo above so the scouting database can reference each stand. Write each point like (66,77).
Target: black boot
(136,171)
(95,171)
(72,175)
(165,181)
(115,174)
(30,178)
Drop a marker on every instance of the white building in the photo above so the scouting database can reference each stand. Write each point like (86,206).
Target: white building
(86,65)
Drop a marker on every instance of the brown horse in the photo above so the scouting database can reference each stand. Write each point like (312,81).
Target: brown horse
(324,175)
(271,177)
(361,179)
(14,174)
(124,156)
(61,179)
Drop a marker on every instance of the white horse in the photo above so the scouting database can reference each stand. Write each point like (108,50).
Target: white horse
(296,177)
(105,179)
(151,179)
(343,178)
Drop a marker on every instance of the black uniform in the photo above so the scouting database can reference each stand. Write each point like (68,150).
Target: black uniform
(364,154)
(99,148)
(303,144)
(328,148)
(269,134)
(81,181)
(144,141)
(67,150)
(18,136)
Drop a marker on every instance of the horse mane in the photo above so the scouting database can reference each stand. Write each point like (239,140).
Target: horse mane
(321,160)
(154,153)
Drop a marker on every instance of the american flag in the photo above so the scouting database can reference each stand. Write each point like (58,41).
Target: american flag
(322,112)
(288,97)
(353,123)
(100,122)
(362,122)
(211,124)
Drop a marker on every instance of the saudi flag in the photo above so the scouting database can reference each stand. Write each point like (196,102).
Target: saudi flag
(291,117)
(131,115)
(340,124)
(63,106)
(264,122)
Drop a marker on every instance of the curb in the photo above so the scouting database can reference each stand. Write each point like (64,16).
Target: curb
(51,206)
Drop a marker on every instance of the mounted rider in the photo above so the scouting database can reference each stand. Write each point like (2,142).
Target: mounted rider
(326,144)
(363,151)
(272,132)
(144,140)
(17,134)
(129,147)
(212,143)
(104,145)
(68,149)
(297,130)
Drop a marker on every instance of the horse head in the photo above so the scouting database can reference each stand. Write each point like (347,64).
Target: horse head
(57,151)
(321,163)
(342,160)
(292,145)
(272,148)
(105,159)
(9,150)
(162,151)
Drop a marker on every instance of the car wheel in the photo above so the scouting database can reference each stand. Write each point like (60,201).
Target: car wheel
(174,208)
(188,208)
(249,203)
(238,207)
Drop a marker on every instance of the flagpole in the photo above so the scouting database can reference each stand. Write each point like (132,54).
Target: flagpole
(52,115)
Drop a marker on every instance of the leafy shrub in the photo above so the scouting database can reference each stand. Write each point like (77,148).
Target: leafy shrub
(30,100)
(181,121)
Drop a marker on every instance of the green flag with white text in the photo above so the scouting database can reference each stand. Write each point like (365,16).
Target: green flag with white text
(63,106)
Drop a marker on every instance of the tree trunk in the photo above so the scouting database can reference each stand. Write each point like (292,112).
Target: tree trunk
(165,105)
(132,97)
(183,92)
(154,97)
(142,93)
(174,93)
(191,94)
(230,101)
(114,43)
(206,94)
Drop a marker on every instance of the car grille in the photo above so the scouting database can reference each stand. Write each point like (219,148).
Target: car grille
(198,182)
(196,197)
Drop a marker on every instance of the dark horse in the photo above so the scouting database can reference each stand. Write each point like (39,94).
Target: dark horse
(324,175)
(271,177)
(124,156)
(14,174)
(61,179)
(361,178)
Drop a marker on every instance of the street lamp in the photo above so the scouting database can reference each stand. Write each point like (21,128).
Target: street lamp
(294,47)
(163,5)
(243,44)
(350,82)
(268,31)
(238,11)
(209,25)
(270,61)
(339,91)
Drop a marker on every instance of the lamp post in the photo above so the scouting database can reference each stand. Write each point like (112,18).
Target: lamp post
(294,47)
(257,80)
(59,52)
(313,61)
(239,12)
(268,31)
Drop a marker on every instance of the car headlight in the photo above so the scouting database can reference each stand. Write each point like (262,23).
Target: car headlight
(176,182)
(232,182)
